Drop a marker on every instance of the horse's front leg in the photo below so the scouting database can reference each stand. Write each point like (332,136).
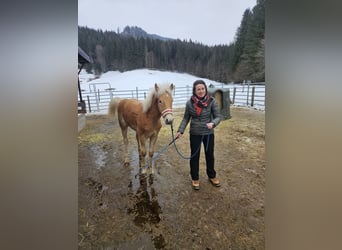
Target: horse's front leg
(153,140)
(139,149)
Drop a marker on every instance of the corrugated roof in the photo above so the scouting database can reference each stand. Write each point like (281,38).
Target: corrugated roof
(83,57)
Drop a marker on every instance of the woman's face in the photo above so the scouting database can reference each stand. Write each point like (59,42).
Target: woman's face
(200,90)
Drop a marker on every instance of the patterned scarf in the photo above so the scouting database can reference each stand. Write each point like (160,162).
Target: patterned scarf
(200,103)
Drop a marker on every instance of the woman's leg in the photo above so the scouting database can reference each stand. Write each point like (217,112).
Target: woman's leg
(209,141)
(195,145)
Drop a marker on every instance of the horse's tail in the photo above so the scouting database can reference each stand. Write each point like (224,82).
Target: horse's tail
(113,106)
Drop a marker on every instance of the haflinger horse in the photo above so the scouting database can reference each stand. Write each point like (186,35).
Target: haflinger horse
(145,118)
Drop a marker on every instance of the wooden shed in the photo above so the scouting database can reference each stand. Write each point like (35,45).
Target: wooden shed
(83,58)
(222,98)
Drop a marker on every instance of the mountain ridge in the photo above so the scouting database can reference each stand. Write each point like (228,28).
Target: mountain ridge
(138,32)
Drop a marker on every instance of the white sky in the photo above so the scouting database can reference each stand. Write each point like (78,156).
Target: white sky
(210,22)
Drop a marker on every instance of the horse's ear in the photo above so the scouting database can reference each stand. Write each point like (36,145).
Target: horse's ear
(156,87)
(172,86)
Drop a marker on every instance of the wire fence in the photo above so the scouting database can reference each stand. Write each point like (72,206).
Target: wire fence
(98,96)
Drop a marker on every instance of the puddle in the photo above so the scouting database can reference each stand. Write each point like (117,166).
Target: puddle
(99,155)
(159,241)
(118,208)
(146,208)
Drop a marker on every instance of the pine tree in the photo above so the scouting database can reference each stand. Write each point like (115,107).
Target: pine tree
(241,60)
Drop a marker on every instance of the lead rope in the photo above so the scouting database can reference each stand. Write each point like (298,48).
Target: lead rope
(180,154)
(163,114)
(157,155)
(174,143)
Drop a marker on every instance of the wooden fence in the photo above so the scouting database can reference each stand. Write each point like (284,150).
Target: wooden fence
(97,99)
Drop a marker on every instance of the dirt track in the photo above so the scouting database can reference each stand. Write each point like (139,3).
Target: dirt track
(121,209)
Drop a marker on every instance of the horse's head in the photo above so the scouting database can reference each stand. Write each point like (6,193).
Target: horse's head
(164,101)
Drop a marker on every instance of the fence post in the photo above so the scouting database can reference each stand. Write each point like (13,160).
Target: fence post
(97,102)
(110,94)
(89,103)
(247,93)
(234,93)
(253,92)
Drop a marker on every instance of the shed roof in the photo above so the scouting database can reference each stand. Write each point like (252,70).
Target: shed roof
(83,57)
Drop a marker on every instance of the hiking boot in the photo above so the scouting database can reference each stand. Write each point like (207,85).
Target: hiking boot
(195,185)
(215,182)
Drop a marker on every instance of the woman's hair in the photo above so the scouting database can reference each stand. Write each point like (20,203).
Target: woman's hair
(196,83)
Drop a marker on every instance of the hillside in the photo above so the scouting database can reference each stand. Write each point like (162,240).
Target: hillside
(137,32)
(134,48)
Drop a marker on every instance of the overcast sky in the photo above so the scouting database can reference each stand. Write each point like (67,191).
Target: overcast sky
(210,22)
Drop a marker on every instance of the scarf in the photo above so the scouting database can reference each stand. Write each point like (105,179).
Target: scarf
(200,103)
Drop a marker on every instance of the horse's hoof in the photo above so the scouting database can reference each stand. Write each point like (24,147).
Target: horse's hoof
(143,170)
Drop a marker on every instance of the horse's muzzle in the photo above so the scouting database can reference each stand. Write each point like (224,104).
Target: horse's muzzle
(168,119)
(168,116)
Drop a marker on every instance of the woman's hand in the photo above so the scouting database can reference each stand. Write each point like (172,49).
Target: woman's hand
(210,125)
(178,135)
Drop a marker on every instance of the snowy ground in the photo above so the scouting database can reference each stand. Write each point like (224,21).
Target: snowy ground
(140,78)
(136,83)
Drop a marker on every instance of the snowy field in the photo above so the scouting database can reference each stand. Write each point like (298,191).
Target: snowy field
(97,92)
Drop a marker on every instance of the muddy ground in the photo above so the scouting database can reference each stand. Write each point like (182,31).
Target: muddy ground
(122,209)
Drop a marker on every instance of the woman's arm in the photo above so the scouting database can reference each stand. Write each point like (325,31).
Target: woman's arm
(185,121)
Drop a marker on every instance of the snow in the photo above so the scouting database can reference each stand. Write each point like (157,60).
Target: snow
(134,83)
(139,78)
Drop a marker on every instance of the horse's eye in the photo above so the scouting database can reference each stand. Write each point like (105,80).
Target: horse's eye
(160,102)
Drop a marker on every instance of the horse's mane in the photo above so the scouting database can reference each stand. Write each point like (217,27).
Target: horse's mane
(165,87)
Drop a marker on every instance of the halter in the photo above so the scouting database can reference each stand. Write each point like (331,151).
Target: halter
(166,112)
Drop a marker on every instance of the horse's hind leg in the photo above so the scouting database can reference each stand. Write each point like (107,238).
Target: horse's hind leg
(125,140)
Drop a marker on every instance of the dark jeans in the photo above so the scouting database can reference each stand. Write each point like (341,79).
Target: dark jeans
(195,145)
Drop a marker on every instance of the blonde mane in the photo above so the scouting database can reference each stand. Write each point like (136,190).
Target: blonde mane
(162,89)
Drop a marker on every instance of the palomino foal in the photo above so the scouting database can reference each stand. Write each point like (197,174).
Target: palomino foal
(144,118)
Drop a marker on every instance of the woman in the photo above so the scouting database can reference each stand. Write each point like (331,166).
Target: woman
(205,115)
